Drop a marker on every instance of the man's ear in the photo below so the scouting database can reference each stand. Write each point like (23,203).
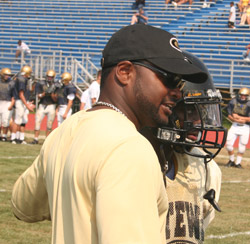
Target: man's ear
(125,72)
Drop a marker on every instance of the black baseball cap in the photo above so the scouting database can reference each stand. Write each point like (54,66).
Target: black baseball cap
(159,47)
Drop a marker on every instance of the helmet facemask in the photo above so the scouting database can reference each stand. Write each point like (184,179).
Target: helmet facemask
(196,122)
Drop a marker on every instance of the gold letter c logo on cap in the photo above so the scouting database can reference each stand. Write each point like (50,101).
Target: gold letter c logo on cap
(174,43)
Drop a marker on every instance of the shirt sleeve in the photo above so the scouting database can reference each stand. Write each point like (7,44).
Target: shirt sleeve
(130,194)
(230,107)
(29,196)
(94,90)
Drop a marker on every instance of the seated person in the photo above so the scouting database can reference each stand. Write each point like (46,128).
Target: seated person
(245,18)
(242,4)
(138,4)
(140,17)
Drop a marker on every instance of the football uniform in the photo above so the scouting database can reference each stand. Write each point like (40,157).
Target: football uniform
(47,106)
(189,213)
(235,106)
(65,93)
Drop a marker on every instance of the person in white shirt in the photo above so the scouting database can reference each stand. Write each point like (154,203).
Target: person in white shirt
(94,89)
(232,16)
(85,100)
(22,47)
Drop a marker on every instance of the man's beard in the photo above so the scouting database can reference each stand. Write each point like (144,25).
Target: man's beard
(147,108)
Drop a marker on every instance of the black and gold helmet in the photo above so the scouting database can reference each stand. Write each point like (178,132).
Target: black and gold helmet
(196,121)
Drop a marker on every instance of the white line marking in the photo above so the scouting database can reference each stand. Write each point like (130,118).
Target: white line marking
(236,181)
(2,190)
(17,157)
(228,235)
(227,157)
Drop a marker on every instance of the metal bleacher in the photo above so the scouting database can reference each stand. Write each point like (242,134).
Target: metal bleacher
(77,27)
(207,35)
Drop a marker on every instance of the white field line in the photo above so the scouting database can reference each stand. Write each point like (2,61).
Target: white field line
(227,235)
(226,157)
(17,157)
(236,181)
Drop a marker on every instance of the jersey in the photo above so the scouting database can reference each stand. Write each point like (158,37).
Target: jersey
(48,89)
(238,107)
(189,213)
(22,84)
(92,184)
(64,92)
(6,90)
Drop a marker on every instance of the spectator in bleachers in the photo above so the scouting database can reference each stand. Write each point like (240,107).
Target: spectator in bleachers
(246,54)
(242,4)
(245,18)
(22,47)
(140,17)
(138,4)
(176,3)
(232,16)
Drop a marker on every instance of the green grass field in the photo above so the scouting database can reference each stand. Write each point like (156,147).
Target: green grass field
(232,225)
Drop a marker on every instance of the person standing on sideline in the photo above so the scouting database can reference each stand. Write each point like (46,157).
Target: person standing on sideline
(22,105)
(92,184)
(65,96)
(94,88)
(6,101)
(239,113)
(85,100)
(232,16)
(47,103)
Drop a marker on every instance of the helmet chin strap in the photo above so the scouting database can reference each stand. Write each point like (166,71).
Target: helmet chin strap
(165,162)
(210,195)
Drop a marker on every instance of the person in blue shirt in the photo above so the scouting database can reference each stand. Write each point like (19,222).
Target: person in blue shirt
(139,17)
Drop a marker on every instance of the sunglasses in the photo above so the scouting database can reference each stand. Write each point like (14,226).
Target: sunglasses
(171,81)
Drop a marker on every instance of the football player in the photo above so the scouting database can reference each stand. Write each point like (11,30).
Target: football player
(186,148)
(47,105)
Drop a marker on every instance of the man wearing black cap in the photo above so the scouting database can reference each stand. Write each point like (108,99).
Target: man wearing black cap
(92,184)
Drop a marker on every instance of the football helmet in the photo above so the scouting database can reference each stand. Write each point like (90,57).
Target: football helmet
(5,71)
(26,70)
(245,92)
(196,121)
(66,78)
(51,73)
